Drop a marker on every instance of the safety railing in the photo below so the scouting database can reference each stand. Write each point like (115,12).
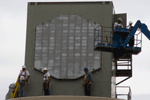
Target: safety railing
(106,37)
(138,39)
(125,64)
(126,96)
(102,36)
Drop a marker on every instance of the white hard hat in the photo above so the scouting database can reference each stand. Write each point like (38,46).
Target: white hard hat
(23,66)
(45,68)
(130,22)
(120,19)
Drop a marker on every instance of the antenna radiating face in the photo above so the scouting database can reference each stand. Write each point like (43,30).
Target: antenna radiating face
(65,46)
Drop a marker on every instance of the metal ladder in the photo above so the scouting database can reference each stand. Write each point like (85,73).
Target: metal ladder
(14,93)
(125,61)
(122,62)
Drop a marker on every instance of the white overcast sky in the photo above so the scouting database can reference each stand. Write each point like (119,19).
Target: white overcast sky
(13,20)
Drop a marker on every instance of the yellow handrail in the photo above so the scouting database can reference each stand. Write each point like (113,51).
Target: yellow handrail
(15,90)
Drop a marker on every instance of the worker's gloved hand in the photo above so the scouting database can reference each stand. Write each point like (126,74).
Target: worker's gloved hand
(83,84)
(26,81)
(90,82)
(46,82)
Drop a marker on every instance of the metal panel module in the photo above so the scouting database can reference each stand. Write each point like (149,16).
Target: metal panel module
(65,46)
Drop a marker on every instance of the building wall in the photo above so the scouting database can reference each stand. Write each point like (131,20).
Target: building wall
(97,11)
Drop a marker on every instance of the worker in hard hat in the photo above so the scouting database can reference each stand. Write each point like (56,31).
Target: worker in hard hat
(87,82)
(131,42)
(23,79)
(46,83)
(130,25)
(118,23)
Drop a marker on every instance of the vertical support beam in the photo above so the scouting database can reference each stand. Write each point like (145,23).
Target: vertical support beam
(131,65)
